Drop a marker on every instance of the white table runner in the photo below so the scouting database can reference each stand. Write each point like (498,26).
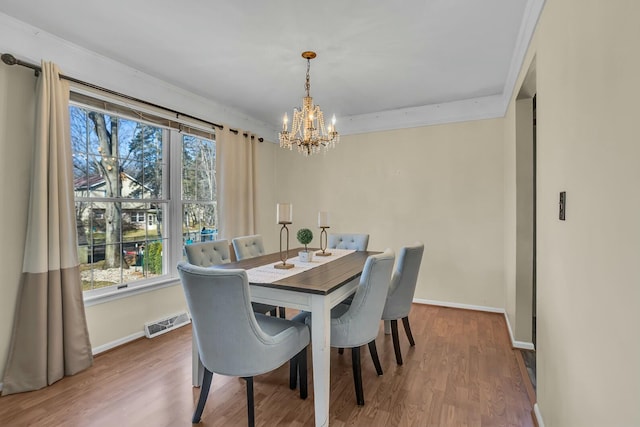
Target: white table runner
(269,274)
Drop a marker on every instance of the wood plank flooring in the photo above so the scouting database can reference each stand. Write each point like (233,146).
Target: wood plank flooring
(462,372)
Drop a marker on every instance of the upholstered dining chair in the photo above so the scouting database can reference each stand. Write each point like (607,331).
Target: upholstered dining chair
(358,242)
(357,324)
(232,339)
(401,290)
(212,253)
(250,247)
(208,253)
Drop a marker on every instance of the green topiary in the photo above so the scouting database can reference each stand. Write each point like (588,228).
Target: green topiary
(304,236)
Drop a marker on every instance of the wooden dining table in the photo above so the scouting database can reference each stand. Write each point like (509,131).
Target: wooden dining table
(317,290)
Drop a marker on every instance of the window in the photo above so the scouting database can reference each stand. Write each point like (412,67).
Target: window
(126,234)
(137,216)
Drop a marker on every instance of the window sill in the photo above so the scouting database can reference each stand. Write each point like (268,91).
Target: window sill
(102,296)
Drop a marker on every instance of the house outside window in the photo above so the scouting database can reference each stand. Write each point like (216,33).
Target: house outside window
(127,235)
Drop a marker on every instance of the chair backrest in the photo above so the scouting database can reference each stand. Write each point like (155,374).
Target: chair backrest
(360,323)
(358,242)
(403,282)
(230,341)
(248,246)
(206,254)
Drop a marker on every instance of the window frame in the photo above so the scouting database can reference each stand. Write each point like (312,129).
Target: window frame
(172,188)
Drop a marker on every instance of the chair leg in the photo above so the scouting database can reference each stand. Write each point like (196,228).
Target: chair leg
(396,341)
(302,371)
(293,371)
(357,374)
(282,312)
(374,356)
(340,350)
(407,329)
(204,393)
(250,407)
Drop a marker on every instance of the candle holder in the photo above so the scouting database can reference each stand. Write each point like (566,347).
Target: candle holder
(284,256)
(323,242)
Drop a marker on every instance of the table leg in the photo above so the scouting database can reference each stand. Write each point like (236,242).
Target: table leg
(320,344)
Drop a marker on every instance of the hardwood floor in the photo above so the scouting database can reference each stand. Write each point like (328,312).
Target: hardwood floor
(462,372)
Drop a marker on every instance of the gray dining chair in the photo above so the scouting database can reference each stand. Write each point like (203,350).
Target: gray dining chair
(232,339)
(248,246)
(358,242)
(357,324)
(212,253)
(209,253)
(400,296)
(252,246)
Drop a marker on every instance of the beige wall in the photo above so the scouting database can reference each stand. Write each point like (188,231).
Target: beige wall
(442,185)
(115,322)
(524,220)
(588,270)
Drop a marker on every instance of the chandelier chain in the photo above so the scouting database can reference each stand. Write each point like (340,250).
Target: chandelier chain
(307,85)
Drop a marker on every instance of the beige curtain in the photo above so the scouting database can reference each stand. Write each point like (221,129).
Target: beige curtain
(235,183)
(50,337)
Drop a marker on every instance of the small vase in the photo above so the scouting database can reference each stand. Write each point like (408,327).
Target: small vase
(305,256)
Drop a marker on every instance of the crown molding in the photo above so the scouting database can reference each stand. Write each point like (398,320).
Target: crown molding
(530,19)
(487,107)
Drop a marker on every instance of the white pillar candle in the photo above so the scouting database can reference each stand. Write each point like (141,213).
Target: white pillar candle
(323,219)
(284,213)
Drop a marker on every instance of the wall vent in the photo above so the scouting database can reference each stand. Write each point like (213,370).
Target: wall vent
(159,327)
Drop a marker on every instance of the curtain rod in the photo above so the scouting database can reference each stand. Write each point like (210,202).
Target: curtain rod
(9,59)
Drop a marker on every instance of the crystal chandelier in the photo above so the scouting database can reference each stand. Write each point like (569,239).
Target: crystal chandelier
(308,131)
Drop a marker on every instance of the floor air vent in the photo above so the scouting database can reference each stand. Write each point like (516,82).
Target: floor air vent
(159,327)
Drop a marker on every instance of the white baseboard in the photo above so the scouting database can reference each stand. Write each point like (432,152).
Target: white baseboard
(116,343)
(515,344)
(538,414)
(523,345)
(458,305)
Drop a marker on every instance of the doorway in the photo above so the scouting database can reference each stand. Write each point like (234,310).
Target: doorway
(525,330)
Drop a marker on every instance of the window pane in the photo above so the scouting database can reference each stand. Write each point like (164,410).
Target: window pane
(117,164)
(205,184)
(188,184)
(198,166)
(199,223)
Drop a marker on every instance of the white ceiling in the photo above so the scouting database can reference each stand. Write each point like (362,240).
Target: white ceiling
(373,56)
